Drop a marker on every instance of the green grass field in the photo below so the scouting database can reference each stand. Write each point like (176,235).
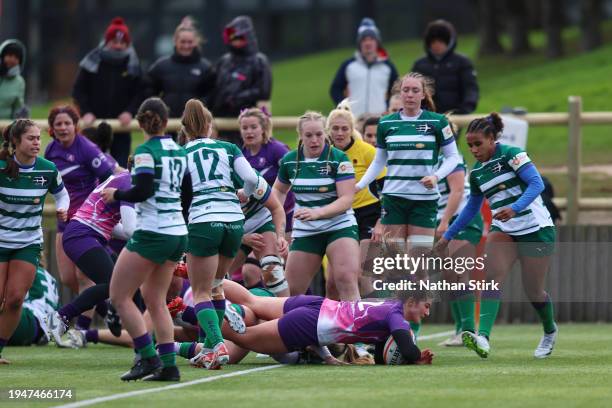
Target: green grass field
(578,374)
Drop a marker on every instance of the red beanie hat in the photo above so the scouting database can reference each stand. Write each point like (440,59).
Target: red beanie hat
(117,29)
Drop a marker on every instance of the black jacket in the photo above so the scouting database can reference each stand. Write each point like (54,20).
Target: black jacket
(243,76)
(108,87)
(456,88)
(176,79)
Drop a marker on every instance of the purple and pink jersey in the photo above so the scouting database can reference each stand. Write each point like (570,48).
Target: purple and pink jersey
(315,320)
(266,162)
(81,165)
(100,216)
(359,321)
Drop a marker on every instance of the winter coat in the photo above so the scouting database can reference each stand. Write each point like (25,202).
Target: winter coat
(176,79)
(368,85)
(456,88)
(243,76)
(108,86)
(12,85)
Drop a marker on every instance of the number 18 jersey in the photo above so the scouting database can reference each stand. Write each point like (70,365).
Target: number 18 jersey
(210,164)
(162,212)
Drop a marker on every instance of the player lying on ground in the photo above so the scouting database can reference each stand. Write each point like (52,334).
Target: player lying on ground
(317,321)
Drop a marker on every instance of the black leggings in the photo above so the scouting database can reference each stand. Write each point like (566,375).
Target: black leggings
(97,265)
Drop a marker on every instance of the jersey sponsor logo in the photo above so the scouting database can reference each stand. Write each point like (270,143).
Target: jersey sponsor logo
(423,128)
(36,200)
(447,132)
(419,145)
(497,167)
(502,187)
(324,171)
(323,189)
(40,180)
(519,160)
(97,161)
(143,160)
(70,157)
(345,167)
(261,162)
(196,71)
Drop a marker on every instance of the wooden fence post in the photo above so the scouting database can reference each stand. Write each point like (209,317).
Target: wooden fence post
(574,151)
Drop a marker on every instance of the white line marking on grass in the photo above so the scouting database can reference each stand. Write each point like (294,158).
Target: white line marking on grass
(436,335)
(165,388)
(201,380)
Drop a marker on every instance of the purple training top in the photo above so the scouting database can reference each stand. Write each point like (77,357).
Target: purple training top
(266,162)
(98,215)
(81,165)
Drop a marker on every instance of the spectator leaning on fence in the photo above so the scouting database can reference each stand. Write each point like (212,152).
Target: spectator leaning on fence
(12,84)
(109,83)
(183,75)
(243,74)
(367,77)
(456,88)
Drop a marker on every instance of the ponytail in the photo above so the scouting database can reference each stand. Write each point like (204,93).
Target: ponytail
(491,126)
(11,136)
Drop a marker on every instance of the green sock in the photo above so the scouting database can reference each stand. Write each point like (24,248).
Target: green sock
(416,328)
(184,348)
(147,351)
(488,313)
(168,359)
(465,304)
(209,321)
(219,306)
(220,316)
(456,315)
(546,313)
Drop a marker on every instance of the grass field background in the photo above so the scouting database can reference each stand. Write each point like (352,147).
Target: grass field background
(578,374)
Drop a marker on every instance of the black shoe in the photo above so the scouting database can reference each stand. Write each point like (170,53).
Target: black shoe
(164,374)
(113,321)
(142,368)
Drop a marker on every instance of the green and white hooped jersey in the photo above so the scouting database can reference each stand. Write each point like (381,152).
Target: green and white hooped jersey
(445,189)
(314,183)
(22,201)
(161,213)
(210,164)
(412,148)
(43,296)
(255,212)
(497,179)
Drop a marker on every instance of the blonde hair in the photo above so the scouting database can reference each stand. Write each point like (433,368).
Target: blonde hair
(310,116)
(264,121)
(343,111)
(188,24)
(196,120)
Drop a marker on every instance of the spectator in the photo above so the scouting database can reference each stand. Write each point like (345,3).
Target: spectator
(183,75)
(366,78)
(12,84)
(109,83)
(243,74)
(456,89)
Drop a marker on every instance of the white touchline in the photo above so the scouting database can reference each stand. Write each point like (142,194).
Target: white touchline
(201,380)
(165,388)
(436,335)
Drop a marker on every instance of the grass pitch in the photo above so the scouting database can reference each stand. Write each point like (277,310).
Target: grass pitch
(579,373)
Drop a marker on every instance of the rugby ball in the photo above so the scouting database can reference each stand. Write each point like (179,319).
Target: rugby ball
(391,353)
